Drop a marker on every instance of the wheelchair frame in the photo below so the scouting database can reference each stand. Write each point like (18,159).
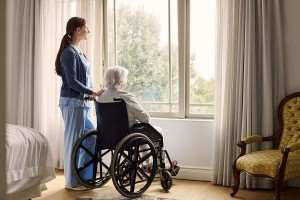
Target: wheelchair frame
(129,151)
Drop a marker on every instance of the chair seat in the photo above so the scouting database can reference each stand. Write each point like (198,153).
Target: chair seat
(267,162)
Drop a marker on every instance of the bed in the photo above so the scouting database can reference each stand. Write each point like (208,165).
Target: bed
(29,162)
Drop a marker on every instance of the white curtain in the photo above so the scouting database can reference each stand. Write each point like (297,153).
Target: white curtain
(33,88)
(19,72)
(249,80)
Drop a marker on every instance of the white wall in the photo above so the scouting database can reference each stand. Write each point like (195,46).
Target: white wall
(190,143)
(2,103)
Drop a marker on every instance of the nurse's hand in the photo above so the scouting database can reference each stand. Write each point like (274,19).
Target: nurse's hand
(92,98)
(98,93)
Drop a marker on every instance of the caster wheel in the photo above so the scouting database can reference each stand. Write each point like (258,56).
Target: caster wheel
(166,180)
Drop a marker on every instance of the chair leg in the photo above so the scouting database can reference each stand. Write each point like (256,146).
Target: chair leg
(278,186)
(277,192)
(236,178)
(280,175)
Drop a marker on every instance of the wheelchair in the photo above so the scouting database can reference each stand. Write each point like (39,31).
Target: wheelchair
(113,151)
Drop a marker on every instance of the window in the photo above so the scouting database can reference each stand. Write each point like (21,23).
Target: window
(202,57)
(169,78)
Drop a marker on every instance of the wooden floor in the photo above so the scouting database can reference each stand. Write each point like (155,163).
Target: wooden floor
(181,189)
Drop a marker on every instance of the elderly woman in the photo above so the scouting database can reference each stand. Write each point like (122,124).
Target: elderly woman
(115,81)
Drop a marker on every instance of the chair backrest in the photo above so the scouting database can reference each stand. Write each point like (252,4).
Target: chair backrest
(289,120)
(112,123)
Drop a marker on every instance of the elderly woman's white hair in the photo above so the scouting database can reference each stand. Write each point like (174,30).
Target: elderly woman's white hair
(115,77)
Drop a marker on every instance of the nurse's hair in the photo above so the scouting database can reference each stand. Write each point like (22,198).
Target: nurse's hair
(115,77)
(72,24)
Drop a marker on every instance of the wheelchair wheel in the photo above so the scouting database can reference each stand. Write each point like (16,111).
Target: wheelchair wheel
(132,154)
(90,164)
(166,180)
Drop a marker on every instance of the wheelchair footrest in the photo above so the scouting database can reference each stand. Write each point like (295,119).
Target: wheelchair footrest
(174,170)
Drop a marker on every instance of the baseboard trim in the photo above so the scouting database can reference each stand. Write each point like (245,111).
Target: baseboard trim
(194,173)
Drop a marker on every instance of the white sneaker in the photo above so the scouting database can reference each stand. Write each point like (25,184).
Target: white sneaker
(78,188)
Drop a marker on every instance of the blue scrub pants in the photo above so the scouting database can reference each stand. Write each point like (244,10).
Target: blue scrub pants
(77,122)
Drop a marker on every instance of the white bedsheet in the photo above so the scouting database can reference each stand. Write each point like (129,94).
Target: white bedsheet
(29,162)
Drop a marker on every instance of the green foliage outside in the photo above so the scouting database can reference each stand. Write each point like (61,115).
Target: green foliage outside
(138,49)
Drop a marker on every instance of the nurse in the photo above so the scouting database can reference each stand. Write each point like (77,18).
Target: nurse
(74,68)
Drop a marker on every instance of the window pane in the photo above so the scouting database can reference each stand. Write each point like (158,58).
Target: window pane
(174,55)
(143,47)
(202,56)
(111,33)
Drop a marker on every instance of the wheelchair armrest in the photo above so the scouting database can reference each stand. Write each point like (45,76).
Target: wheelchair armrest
(149,131)
(138,126)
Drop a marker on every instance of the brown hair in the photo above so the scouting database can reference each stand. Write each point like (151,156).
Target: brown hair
(72,25)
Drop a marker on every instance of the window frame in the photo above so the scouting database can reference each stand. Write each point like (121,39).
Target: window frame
(183,60)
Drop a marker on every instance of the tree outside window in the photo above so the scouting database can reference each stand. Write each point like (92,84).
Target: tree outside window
(144,41)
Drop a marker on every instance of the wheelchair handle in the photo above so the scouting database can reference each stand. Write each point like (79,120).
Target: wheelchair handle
(118,99)
(87,98)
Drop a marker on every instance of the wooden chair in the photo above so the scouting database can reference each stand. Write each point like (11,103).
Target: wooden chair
(281,163)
